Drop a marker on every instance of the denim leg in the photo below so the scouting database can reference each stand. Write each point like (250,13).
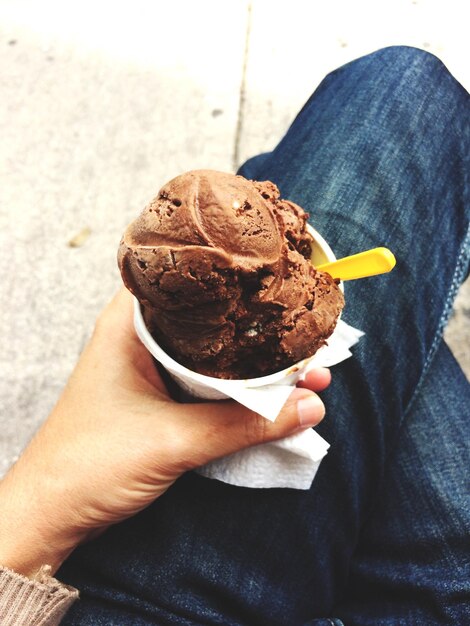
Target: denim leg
(379,156)
(412,562)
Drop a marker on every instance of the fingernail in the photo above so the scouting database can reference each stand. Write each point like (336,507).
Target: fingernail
(310,410)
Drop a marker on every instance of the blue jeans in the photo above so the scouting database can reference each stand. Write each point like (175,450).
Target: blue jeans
(379,155)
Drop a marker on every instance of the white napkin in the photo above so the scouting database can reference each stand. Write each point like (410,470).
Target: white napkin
(293,461)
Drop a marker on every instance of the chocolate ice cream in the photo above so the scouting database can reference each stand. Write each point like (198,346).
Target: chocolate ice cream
(221,267)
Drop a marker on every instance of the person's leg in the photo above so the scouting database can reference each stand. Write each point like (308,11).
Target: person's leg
(382,173)
(379,155)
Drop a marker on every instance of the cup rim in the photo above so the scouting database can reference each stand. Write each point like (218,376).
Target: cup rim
(157,351)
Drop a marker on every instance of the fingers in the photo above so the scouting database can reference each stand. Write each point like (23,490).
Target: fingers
(116,343)
(316,379)
(213,430)
(117,316)
(115,324)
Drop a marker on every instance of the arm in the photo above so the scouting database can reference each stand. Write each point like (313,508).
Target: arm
(116,441)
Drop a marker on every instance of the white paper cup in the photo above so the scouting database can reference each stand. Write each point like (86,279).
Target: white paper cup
(210,388)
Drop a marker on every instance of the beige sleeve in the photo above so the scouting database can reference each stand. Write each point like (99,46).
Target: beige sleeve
(42,601)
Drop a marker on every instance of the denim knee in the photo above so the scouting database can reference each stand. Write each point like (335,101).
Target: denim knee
(391,62)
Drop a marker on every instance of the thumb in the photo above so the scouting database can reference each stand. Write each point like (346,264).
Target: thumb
(213,430)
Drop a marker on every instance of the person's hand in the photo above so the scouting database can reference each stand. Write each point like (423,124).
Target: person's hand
(116,441)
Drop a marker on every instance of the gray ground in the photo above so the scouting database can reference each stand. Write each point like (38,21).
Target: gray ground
(96,114)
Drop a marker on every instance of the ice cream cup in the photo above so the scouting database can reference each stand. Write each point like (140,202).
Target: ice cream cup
(209,388)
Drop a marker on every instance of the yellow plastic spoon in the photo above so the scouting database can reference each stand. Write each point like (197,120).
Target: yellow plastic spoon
(368,263)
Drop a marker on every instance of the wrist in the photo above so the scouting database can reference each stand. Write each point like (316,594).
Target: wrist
(26,554)
(28,539)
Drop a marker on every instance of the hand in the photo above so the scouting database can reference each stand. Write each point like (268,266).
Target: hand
(116,441)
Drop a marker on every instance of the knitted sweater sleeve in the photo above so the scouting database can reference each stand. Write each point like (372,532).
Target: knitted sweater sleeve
(42,601)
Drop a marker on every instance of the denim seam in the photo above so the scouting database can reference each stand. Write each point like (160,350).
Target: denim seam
(459,273)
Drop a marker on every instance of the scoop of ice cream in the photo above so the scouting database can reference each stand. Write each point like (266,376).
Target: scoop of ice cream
(221,267)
